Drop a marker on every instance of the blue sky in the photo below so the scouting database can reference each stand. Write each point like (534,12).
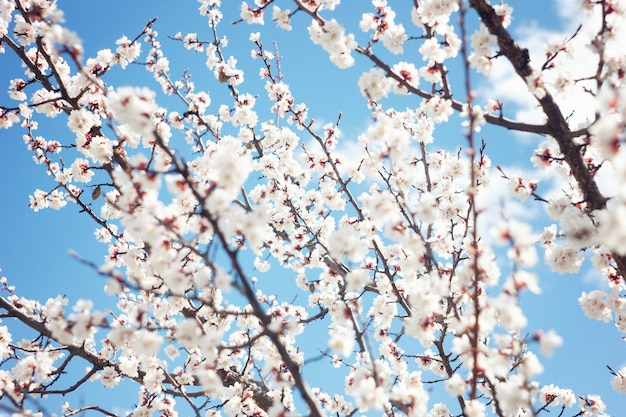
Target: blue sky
(34,246)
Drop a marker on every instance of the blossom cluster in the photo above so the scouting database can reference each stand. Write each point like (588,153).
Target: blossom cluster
(264,241)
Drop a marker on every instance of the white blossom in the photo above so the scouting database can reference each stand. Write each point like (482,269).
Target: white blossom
(256,245)
(374,84)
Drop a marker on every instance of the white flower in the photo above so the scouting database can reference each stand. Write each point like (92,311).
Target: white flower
(439,410)
(100,149)
(38,200)
(281,17)
(5,341)
(198,102)
(509,313)
(438,109)
(549,341)
(612,230)
(522,188)
(109,377)
(477,115)
(171,351)
(531,365)
(369,395)
(146,343)
(346,241)
(525,280)
(482,40)
(129,365)
(455,385)
(250,15)
(393,39)
(341,340)
(578,227)
(554,396)
(82,120)
(594,305)
(513,395)
(563,259)
(127,51)
(81,171)
(135,107)
(547,237)
(474,408)
(25,32)
(435,12)
(606,133)
(16,89)
(356,279)
(209,380)
(591,405)
(431,50)
(190,41)
(505,12)
(618,383)
(333,39)
(374,84)
(409,73)
(56,199)
(535,84)
(24,369)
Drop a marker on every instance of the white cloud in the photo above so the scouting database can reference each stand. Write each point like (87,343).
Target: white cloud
(594,278)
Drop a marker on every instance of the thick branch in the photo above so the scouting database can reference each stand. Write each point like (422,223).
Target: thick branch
(556,125)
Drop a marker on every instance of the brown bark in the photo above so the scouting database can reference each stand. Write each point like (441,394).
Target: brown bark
(556,125)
